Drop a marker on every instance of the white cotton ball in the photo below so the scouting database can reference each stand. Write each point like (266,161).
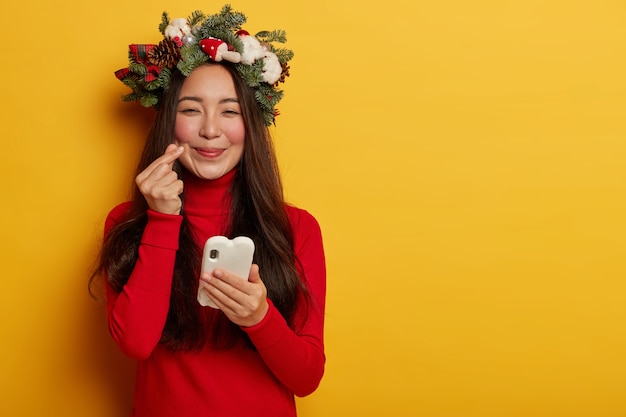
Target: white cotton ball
(271,68)
(252,50)
(177,28)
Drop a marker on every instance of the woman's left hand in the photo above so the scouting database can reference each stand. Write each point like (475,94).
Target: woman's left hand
(243,302)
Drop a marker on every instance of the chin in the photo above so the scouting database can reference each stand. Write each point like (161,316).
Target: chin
(212,174)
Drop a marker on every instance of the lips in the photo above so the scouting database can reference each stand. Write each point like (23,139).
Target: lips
(210,152)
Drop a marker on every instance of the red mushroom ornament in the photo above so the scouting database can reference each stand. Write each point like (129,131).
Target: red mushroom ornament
(218,50)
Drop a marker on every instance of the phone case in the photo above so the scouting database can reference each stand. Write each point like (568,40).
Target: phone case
(232,255)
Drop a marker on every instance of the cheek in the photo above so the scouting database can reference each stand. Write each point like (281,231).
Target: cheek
(182,132)
(237,135)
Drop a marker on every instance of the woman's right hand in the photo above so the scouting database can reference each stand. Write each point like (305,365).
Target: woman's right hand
(160,184)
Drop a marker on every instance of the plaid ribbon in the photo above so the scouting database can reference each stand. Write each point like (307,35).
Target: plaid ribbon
(140,54)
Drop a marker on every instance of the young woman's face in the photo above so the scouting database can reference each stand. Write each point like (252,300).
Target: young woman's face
(209,124)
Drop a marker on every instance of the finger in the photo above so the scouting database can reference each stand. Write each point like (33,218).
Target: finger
(161,176)
(254,274)
(171,147)
(167,190)
(221,294)
(162,183)
(240,290)
(232,280)
(240,307)
(171,154)
(223,279)
(234,292)
(205,277)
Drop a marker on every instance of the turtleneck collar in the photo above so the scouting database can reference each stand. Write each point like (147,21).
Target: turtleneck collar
(207,195)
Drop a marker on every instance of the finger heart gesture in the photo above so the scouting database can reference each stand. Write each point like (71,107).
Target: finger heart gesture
(160,184)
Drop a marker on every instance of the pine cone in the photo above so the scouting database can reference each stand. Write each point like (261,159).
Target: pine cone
(165,54)
(284,73)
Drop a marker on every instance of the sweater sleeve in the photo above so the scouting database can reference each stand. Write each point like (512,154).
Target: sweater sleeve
(136,315)
(296,357)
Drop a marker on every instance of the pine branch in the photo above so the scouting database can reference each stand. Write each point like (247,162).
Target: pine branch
(131,82)
(130,97)
(267,97)
(149,100)
(195,18)
(252,74)
(232,18)
(226,18)
(284,55)
(191,57)
(138,68)
(272,36)
(131,57)
(165,21)
(165,77)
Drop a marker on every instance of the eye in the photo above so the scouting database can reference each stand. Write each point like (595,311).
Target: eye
(231,112)
(188,110)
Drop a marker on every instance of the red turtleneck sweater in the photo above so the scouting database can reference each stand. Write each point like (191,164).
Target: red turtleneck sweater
(236,382)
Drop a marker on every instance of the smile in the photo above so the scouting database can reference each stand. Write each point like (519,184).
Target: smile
(210,152)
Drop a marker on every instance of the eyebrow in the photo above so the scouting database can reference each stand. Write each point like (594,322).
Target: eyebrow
(199,100)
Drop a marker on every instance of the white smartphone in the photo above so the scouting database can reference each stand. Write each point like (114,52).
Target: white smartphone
(232,255)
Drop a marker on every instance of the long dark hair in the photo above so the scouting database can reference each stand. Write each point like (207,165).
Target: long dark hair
(257,211)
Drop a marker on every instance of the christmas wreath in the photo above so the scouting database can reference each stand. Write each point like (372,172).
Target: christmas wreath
(188,43)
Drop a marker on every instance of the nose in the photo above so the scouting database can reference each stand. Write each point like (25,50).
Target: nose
(210,128)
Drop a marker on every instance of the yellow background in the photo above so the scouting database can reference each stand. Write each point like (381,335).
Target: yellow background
(465,159)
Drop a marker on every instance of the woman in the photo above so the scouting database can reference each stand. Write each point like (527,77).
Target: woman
(209,168)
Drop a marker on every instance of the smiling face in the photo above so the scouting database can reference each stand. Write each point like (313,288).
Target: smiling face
(209,124)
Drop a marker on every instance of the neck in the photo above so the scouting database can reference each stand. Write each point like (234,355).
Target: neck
(201,194)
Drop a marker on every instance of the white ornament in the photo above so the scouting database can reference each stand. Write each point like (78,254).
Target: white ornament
(252,49)
(177,28)
(189,39)
(271,68)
